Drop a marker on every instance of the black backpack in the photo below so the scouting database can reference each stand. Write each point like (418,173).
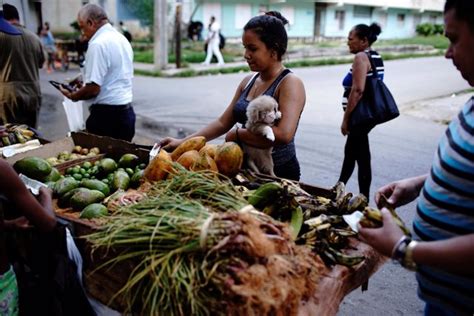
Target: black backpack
(221,41)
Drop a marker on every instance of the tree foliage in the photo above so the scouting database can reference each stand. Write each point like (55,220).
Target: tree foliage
(142,9)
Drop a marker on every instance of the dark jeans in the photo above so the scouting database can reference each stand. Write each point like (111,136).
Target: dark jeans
(357,149)
(112,120)
(289,170)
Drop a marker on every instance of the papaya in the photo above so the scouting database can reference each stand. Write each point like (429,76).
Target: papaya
(137,179)
(128,161)
(53,176)
(159,167)
(65,185)
(94,210)
(121,180)
(33,167)
(229,157)
(205,163)
(82,198)
(95,184)
(209,149)
(188,159)
(194,143)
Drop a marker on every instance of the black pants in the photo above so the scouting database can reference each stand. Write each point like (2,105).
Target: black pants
(289,170)
(117,121)
(357,149)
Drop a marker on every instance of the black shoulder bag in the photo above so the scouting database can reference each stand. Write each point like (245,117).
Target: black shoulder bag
(377,104)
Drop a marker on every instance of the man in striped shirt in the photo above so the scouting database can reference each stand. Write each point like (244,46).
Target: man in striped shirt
(443,254)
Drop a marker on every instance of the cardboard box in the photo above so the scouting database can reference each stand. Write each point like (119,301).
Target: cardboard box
(111,147)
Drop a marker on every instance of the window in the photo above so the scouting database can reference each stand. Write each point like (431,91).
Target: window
(433,18)
(243,13)
(340,16)
(401,19)
(362,12)
(383,16)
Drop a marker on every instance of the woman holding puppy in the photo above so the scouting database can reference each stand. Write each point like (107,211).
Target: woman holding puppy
(265,42)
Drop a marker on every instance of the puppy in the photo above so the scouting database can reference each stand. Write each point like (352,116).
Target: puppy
(262,113)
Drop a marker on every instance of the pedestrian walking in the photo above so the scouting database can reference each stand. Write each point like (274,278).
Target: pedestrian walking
(357,148)
(442,250)
(212,42)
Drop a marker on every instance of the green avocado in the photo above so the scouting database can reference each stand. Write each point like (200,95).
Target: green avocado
(65,185)
(82,198)
(64,200)
(128,161)
(54,175)
(136,179)
(121,180)
(33,167)
(93,210)
(107,165)
(95,185)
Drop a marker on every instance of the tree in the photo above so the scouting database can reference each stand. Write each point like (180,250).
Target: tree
(142,9)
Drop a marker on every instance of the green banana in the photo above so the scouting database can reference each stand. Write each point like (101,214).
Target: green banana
(296,222)
(375,216)
(265,194)
(343,259)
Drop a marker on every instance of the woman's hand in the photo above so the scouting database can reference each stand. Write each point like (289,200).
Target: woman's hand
(231,135)
(382,239)
(170,143)
(345,127)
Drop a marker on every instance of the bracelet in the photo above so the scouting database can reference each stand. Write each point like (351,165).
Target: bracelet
(399,250)
(408,260)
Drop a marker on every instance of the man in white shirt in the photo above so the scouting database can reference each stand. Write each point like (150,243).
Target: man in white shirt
(213,41)
(108,74)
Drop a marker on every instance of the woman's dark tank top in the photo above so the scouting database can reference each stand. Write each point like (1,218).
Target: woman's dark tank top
(281,153)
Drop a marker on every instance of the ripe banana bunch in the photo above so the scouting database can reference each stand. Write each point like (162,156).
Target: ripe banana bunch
(16,134)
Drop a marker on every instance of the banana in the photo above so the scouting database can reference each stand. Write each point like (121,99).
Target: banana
(6,141)
(375,216)
(296,222)
(338,189)
(357,202)
(265,194)
(19,137)
(343,259)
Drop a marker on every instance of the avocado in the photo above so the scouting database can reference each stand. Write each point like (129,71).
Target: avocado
(33,167)
(128,161)
(65,185)
(64,200)
(93,210)
(136,179)
(107,165)
(96,185)
(82,198)
(121,180)
(54,175)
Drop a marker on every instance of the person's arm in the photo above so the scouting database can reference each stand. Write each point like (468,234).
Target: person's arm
(360,66)
(214,129)
(454,255)
(39,212)
(291,97)
(86,92)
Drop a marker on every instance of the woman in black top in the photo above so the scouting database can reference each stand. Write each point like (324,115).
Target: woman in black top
(265,42)
(357,147)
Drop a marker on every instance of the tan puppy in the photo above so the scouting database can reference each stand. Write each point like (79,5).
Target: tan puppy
(262,113)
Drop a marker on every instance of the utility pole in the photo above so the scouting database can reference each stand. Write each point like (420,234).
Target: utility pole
(160,35)
(177,25)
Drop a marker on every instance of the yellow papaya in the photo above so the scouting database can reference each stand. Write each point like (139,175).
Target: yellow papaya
(194,143)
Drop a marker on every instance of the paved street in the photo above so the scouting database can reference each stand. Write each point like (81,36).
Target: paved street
(401,148)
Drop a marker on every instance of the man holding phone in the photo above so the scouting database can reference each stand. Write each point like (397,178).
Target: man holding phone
(108,74)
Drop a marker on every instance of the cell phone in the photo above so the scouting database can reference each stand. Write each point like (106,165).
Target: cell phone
(59,85)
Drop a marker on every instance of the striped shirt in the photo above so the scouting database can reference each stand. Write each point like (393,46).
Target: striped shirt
(347,81)
(446,209)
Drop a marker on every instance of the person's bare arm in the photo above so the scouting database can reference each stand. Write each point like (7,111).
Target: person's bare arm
(360,66)
(39,212)
(454,255)
(86,92)
(291,97)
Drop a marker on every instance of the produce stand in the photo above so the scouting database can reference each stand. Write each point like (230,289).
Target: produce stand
(104,284)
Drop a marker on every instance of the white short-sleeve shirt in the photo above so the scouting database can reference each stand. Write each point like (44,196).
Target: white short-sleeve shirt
(109,64)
